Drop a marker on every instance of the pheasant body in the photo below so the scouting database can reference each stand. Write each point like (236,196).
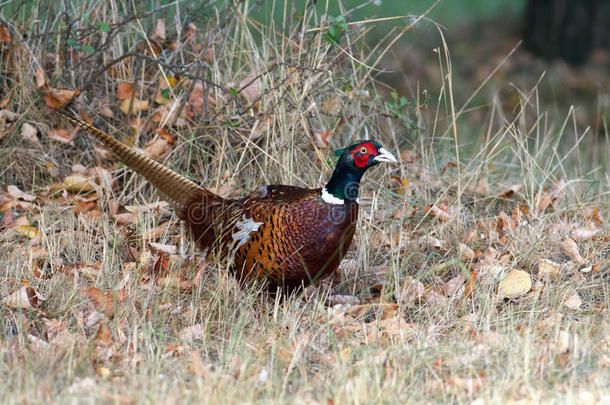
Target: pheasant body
(285,236)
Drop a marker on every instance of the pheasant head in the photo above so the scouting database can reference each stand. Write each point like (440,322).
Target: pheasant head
(353,162)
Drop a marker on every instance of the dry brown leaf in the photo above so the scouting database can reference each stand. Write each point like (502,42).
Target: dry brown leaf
(402,185)
(197,366)
(440,213)
(480,187)
(103,345)
(58,98)
(103,302)
(471,286)
(505,224)
(5,35)
(7,220)
(548,268)
(583,234)
(515,284)
(409,156)
(62,135)
(137,106)
(23,298)
(322,138)
(41,81)
(411,291)
(573,301)
(191,333)
(196,101)
(432,242)
(453,286)
(22,221)
(77,184)
(570,248)
(6,115)
(17,194)
(593,215)
(511,190)
(160,29)
(28,231)
(124,91)
(125,218)
(339,299)
(465,252)
(470,385)
(161,248)
(28,132)
(544,201)
(253,90)
(165,135)
(390,328)
(157,148)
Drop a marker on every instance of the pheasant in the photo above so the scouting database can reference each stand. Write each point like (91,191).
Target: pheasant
(285,236)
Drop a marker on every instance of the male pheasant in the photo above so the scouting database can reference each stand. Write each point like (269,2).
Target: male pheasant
(285,236)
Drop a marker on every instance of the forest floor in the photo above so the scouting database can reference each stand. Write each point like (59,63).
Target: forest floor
(479,272)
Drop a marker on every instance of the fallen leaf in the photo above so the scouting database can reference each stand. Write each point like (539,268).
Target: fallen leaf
(5,35)
(438,212)
(470,288)
(41,81)
(160,29)
(583,234)
(103,302)
(548,268)
(137,106)
(453,285)
(293,353)
(23,298)
(196,97)
(465,252)
(411,291)
(17,194)
(157,147)
(58,98)
(165,135)
(125,218)
(515,284)
(511,190)
(480,187)
(432,242)
(197,366)
(191,333)
(28,231)
(124,91)
(103,345)
(77,184)
(470,385)
(339,299)
(570,248)
(593,215)
(573,301)
(28,132)
(322,138)
(251,88)
(62,135)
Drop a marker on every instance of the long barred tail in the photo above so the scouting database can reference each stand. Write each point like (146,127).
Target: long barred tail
(175,186)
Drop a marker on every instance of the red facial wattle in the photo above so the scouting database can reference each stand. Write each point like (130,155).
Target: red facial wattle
(361,156)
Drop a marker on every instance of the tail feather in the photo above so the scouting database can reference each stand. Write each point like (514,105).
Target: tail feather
(175,186)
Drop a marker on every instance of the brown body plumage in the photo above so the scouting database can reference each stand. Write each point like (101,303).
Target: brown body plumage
(283,235)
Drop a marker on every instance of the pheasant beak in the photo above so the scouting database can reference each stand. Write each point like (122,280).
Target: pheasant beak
(385,156)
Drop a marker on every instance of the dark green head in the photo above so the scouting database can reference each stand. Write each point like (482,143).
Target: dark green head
(352,164)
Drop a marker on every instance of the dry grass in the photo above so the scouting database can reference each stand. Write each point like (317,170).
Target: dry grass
(217,342)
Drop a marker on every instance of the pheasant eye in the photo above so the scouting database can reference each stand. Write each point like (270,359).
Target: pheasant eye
(363,150)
